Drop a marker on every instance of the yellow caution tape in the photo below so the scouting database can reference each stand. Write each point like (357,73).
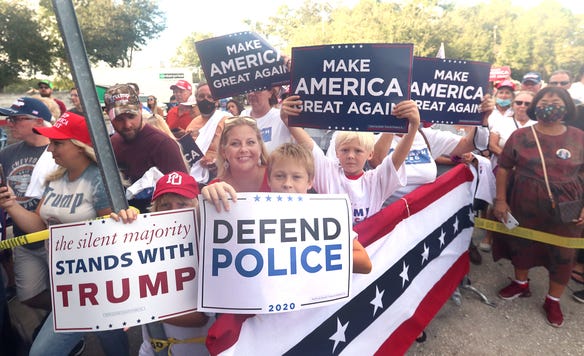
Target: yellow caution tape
(530,234)
(161,344)
(37,236)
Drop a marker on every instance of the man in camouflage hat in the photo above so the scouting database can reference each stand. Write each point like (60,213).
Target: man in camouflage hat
(138,146)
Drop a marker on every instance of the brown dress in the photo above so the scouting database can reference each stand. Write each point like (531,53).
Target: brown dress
(529,201)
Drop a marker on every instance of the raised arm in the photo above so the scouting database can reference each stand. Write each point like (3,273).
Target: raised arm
(291,106)
(381,149)
(466,144)
(405,110)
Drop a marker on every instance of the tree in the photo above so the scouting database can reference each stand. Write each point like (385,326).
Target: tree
(112,30)
(23,48)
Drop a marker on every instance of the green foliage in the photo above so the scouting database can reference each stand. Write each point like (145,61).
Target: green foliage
(31,44)
(22,45)
(543,38)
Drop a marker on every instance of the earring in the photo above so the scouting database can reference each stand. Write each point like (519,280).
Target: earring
(225,164)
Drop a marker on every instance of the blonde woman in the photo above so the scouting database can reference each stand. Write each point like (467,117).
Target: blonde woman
(77,176)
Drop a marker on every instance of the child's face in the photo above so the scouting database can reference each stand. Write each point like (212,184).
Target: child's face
(352,157)
(173,201)
(289,176)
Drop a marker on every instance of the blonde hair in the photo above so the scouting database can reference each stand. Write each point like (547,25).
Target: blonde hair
(296,152)
(158,122)
(366,139)
(230,123)
(60,171)
(51,105)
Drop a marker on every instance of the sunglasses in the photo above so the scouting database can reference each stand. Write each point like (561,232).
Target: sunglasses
(522,103)
(15,119)
(559,83)
(150,99)
(43,87)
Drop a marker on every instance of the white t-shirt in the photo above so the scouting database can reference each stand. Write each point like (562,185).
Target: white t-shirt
(419,165)
(203,141)
(67,201)
(496,115)
(505,128)
(366,193)
(274,132)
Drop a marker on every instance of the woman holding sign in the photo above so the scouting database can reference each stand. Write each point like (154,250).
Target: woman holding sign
(242,160)
(74,192)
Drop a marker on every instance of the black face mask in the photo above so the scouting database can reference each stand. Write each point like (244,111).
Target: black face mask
(206,107)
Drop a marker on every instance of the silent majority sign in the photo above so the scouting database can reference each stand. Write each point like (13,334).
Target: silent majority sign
(118,275)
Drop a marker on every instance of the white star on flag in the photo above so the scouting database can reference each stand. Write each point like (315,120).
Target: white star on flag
(404,274)
(339,335)
(455,225)
(441,238)
(425,254)
(471,215)
(377,302)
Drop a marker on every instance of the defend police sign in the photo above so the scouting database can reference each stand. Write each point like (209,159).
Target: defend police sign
(275,252)
(239,63)
(351,86)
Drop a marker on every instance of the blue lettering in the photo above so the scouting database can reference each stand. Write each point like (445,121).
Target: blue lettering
(259,262)
(60,269)
(304,259)
(148,255)
(272,271)
(220,264)
(329,257)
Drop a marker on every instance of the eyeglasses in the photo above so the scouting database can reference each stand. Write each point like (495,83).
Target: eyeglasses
(150,99)
(563,83)
(522,103)
(15,119)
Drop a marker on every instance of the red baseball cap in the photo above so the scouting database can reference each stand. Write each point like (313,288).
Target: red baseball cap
(178,183)
(68,126)
(182,84)
(506,83)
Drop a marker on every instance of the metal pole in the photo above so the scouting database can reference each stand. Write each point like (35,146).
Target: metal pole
(79,64)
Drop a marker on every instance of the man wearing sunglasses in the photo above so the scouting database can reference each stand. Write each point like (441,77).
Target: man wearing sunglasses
(18,160)
(46,91)
(563,79)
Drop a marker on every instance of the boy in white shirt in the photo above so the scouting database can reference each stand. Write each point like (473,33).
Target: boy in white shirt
(367,190)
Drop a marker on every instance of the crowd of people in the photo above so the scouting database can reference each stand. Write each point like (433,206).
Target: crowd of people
(531,138)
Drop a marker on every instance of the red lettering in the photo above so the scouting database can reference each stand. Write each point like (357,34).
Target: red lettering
(161,282)
(87,291)
(109,288)
(65,293)
(183,275)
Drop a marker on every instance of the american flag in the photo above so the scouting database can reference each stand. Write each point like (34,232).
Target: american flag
(418,247)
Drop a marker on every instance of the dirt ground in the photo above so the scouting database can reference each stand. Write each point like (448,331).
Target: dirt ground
(515,327)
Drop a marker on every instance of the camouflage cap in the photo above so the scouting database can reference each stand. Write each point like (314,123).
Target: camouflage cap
(121,99)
